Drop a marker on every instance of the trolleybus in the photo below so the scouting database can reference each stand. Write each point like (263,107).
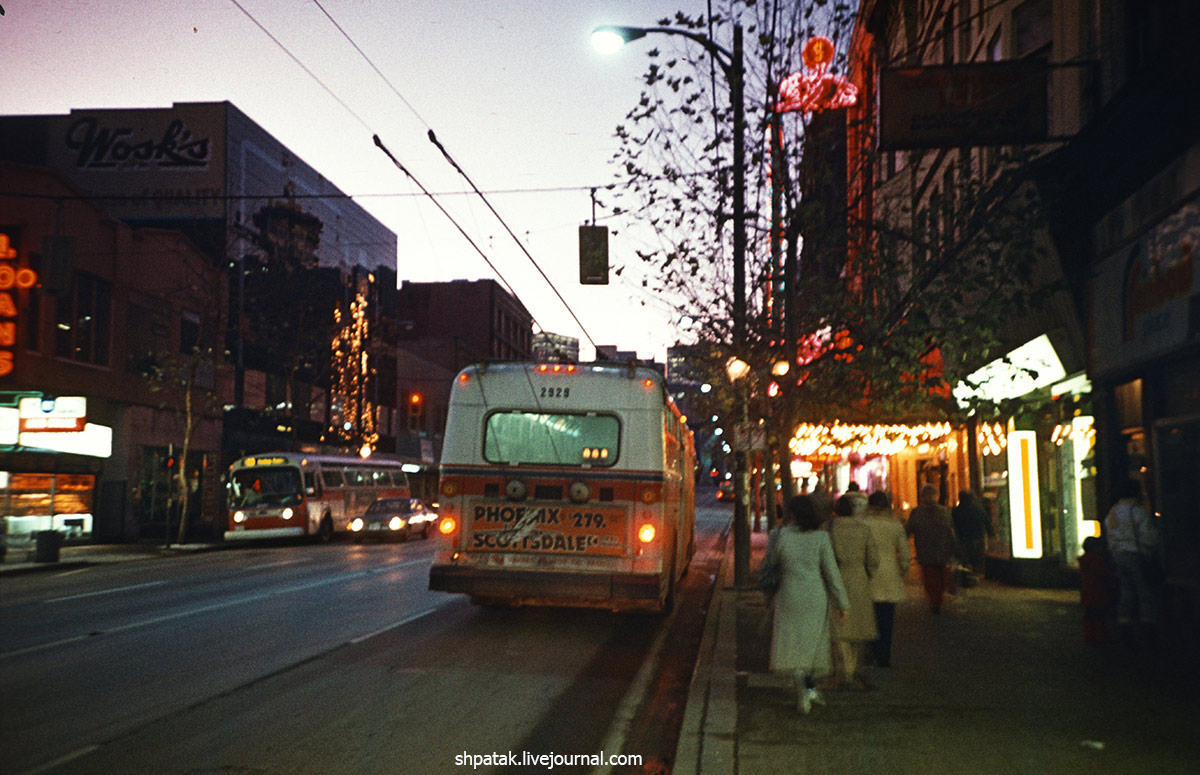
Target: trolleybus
(565,484)
(293,494)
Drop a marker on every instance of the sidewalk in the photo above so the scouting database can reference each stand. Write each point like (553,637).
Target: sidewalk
(20,555)
(1001,682)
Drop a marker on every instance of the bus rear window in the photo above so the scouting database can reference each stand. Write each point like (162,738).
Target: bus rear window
(266,486)
(551,439)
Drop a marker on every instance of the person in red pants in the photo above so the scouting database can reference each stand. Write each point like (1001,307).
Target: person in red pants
(933,538)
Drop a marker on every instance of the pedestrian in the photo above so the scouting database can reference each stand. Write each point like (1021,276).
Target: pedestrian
(1097,582)
(933,539)
(972,528)
(857,497)
(1133,542)
(887,584)
(800,641)
(858,560)
(769,575)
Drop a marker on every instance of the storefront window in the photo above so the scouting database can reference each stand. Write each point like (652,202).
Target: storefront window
(31,502)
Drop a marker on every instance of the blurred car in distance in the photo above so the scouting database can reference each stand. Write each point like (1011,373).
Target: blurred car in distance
(394,518)
(725,491)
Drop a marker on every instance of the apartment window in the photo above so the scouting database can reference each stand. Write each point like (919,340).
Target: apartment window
(84,321)
(189,333)
(146,337)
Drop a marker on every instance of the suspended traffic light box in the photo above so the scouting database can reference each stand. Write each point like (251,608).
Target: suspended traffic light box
(593,255)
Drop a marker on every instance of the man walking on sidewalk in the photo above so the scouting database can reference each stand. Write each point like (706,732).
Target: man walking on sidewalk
(933,538)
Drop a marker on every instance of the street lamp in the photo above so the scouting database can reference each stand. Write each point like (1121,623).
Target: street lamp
(609,38)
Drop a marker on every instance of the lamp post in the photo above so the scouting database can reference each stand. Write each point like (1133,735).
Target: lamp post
(610,38)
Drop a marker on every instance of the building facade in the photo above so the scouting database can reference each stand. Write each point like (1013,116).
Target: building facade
(210,172)
(1085,115)
(119,322)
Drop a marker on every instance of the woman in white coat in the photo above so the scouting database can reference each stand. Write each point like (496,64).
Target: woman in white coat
(887,585)
(800,644)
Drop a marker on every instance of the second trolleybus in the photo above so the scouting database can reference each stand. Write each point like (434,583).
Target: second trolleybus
(295,494)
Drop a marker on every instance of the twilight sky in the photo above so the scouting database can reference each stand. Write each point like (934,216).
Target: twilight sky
(512,88)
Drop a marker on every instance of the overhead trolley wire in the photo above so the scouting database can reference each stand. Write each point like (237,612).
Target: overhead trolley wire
(462,172)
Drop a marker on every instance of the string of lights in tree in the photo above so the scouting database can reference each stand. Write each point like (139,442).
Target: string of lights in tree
(356,420)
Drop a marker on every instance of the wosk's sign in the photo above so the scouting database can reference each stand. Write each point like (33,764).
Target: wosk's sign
(146,162)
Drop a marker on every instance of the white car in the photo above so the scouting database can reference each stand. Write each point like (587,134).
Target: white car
(398,518)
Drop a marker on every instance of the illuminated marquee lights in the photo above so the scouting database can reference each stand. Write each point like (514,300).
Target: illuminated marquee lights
(993,439)
(1079,429)
(835,440)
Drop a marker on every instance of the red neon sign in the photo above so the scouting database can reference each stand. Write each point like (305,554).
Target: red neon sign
(809,92)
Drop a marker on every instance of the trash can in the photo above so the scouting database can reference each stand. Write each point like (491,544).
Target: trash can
(49,542)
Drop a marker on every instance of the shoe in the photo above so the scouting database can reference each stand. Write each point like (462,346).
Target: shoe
(860,684)
(815,697)
(804,701)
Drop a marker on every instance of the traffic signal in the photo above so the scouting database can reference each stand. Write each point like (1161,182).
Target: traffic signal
(593,255)
(416,406)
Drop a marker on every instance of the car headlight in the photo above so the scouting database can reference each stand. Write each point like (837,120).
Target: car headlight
(239,516)
(357,524)
(287,513)
(396,523)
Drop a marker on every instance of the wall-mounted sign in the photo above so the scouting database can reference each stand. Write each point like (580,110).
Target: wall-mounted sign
(13,278)
(1023,497)
(65,414)
(952,106)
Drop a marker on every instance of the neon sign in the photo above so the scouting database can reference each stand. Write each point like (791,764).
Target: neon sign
(809,92)
(12,277)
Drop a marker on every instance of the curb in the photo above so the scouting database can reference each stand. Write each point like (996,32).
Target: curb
(708,736)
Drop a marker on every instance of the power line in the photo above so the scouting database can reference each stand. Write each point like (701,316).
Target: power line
(433,139)
(295,59)
(379,144)
(462,172)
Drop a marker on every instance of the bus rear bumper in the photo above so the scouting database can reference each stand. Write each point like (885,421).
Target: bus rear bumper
(264,534)
(566,588)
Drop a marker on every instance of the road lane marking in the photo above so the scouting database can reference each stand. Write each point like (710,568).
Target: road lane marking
(401,623)
(60,761)
(247,598)
(103,592)
(618,730)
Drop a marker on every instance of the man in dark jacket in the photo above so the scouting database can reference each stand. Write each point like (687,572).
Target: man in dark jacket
(933,538)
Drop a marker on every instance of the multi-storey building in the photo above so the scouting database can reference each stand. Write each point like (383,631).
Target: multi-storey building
(212,173)
(103,340)
(1082,108)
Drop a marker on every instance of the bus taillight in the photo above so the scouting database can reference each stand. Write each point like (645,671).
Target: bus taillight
(449,488)
(650,494)
(447,525)
(646,533)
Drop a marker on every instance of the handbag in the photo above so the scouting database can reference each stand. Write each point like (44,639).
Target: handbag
(770,574)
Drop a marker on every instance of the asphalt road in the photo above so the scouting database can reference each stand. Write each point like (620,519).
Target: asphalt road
(336,658)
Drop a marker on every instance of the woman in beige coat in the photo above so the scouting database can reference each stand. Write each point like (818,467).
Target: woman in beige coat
(858,560)
(887,585)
